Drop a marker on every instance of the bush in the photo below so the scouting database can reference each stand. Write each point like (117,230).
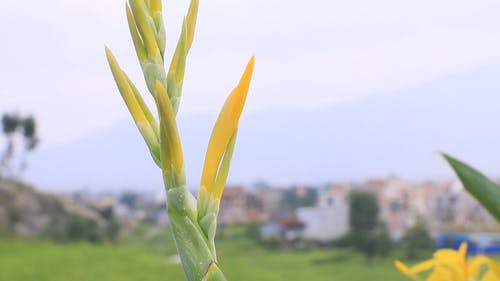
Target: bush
(75,228)
(375,243)
(345,241)
(417,241)
(272,242)
(252,231)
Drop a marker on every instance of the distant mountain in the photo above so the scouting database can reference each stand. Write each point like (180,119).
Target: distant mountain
(387,134)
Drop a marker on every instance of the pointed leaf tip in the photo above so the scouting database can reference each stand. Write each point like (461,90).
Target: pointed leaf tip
(242,89)
(191,22)
(108,52)
(486,191)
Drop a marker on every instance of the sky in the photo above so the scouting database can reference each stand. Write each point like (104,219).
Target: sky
(308,55)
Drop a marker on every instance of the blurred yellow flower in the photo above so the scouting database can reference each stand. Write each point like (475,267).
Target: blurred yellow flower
(451,265)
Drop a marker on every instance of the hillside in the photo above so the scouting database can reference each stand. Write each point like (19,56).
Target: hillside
(394,133)
(25,212)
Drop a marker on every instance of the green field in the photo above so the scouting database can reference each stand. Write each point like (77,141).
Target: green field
(241,260)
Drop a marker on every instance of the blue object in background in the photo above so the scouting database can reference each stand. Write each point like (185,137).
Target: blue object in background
(478,243)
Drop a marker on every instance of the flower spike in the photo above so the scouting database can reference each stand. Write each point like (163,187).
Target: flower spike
(193,220)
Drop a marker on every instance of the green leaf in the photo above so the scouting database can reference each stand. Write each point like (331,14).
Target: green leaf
(483,189)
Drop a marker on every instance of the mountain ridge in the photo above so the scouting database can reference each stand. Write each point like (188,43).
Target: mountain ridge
(380,135)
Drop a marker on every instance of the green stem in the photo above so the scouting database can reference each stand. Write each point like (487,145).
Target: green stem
(192,245)
(214,273)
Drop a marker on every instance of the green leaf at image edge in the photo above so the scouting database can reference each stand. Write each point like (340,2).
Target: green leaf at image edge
(482,188)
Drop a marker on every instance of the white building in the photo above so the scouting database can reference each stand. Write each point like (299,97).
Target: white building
(330,218)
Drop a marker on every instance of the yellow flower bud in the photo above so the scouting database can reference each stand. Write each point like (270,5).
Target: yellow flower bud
(225,128)
(171,149)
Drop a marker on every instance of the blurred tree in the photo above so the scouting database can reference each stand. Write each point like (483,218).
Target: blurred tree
(30,140)
(299,197)
(113,227)
(363,215)
(29,132)
(363,221)
(130,199)
(81,228)
(383,241)
(11,124)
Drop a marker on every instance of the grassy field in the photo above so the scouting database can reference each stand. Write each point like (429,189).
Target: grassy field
(241,260)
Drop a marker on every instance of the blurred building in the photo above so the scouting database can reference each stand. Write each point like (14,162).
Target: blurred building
(286,230)
(238,206)
(329,219)
(393,197)
(446,205)
(316,213)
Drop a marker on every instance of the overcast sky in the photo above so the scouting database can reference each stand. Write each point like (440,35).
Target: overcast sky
(308,53)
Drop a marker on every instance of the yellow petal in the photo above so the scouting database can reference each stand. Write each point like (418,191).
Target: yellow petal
(474,266)
(494,267)
(448,256)
(406,271)
(442,274)
(225,127)
(423,266)
(491,276)
(451,260)
(462,250)
(402,268)
(454,260)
